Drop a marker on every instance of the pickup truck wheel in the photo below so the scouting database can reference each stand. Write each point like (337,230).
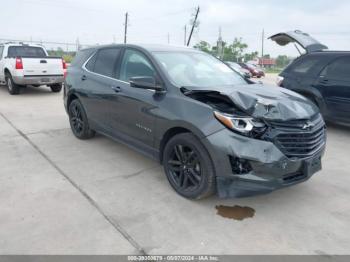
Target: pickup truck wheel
(56,88)
(78,121)
(188,167)
(11,86)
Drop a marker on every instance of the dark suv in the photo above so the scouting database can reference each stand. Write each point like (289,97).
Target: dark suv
(211,129)
(322,76)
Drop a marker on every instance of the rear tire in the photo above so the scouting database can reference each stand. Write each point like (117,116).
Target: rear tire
(188,167)
(56,88)
(12,87)
(78,121)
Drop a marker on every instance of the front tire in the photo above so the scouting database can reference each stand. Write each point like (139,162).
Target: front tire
(188,167)
(78,121)
(12,87)
(56,88)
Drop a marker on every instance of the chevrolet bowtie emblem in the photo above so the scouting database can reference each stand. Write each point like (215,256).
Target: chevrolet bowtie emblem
(308,125)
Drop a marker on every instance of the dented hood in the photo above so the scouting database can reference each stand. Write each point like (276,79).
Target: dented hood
(267,102)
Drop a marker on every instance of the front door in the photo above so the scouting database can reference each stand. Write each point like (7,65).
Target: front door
(136,106)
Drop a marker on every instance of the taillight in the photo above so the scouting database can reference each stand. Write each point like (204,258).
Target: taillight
(19,64)
(64,65)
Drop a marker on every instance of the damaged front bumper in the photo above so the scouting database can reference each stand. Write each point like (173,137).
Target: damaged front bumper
(247,166)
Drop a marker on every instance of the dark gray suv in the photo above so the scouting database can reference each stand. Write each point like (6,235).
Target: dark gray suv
(212,130)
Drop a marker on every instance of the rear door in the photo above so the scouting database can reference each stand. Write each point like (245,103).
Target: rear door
(334,83)
(303,39)
(36,62)
(99,83)
(45,66)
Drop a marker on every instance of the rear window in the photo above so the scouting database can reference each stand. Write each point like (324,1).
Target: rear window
(26,51)
(305,65)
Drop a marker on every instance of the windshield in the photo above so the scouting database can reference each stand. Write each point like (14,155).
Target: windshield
(197,69)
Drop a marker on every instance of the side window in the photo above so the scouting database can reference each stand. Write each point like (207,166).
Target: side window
(135,64)
(91,64)
(305,65)
(105,63)
(1,51)
(338,69)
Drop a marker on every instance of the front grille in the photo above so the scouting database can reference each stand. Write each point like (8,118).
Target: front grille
(302,143)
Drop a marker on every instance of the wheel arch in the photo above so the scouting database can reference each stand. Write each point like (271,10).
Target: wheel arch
(315,97)
(6,70)
(171,132)
(70,98)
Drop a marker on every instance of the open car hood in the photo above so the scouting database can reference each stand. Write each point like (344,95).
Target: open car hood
(263,101)
(303,39)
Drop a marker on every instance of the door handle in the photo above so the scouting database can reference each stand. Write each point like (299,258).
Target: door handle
(83,78)
(324,81)
(116,89)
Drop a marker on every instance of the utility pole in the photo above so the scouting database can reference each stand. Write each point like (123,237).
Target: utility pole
(185,37)
(193,25)
(220,48)
(168,38)
(262,47)
(125,27)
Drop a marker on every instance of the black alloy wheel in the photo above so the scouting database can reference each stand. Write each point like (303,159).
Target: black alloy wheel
(78,121)
(185,167)
(188,167)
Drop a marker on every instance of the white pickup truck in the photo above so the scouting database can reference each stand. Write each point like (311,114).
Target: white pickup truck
(22,65)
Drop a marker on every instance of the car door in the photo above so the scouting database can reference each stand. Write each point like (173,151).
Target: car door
(303,39)
(136,106)
(334,84)
(98,93)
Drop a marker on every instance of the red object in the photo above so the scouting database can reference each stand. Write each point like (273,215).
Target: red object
(19,64)
(64,65)
(266,62)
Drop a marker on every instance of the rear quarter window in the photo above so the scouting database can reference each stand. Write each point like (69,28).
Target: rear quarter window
(304,66)
(81,57)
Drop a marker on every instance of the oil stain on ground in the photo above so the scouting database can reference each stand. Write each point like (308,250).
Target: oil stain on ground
(235,212)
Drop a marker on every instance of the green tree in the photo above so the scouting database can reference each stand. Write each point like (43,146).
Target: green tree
(282,61)
(203,46)
(250,56)
(234,51)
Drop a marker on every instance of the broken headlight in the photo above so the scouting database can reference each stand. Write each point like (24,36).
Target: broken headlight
(243,125)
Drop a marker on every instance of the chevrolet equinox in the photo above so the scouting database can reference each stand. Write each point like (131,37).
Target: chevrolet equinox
(211,129)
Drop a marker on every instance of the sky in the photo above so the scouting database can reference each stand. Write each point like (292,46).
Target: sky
(160,21)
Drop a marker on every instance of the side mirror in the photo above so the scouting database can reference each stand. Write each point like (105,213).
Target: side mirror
(145,82)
